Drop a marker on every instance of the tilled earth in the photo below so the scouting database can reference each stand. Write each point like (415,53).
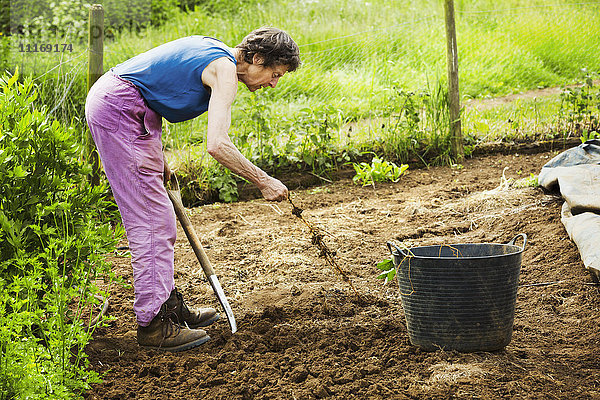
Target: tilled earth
(303,332)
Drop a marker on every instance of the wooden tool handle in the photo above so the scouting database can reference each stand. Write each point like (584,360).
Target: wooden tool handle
(188,228)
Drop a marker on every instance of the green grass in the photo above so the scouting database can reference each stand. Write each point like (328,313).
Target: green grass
(519,120)
(353,53)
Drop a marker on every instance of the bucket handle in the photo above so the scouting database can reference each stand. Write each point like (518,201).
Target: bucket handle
(520,235)
(395,247)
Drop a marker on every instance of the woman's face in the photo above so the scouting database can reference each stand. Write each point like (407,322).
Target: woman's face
(257,76)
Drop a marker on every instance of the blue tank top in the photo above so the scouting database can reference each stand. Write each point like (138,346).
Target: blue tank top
(169,76)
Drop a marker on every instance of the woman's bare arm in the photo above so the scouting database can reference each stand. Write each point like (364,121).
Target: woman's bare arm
(220,75)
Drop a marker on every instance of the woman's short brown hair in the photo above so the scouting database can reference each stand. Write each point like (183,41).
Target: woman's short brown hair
(275,46)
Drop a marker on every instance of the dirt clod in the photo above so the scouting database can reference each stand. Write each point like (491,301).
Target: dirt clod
(299,374)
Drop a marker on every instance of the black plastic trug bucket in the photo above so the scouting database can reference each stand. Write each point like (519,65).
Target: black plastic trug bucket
(461,296)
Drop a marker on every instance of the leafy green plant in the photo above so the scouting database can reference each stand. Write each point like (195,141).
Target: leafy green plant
(530,181)
(315,128)
(35,19)
(56,230)
(417,125)
(585,136)
(580,107)
(202,180)
(388,270)
(225,184)
(255,135)
(378,171)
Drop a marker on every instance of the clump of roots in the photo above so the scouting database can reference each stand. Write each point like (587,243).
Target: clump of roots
(296,211)
(317,236)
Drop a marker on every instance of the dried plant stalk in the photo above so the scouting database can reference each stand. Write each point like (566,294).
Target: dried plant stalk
(325,252)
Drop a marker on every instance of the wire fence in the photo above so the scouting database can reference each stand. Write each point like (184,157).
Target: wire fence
(500,51)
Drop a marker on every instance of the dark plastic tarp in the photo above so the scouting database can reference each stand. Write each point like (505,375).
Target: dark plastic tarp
(576,174)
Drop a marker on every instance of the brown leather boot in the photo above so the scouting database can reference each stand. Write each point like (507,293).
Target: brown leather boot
(164,334)
(192,318)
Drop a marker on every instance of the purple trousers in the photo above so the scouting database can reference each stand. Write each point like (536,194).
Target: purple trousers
(127,134)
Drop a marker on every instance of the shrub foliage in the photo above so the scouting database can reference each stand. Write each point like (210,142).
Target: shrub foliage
(56,230)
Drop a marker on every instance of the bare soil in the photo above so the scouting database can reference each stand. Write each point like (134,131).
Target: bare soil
(303,333)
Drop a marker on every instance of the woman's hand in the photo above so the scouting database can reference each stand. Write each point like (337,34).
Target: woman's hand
(274,190)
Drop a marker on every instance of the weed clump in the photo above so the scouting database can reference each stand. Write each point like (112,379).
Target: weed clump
(317,236)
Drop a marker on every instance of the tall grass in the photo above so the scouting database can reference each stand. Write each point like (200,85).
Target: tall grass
(357,56)
(353,50)
(526,119)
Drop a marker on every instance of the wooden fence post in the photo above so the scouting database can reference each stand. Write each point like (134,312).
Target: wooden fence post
(95,71)
(453,91)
